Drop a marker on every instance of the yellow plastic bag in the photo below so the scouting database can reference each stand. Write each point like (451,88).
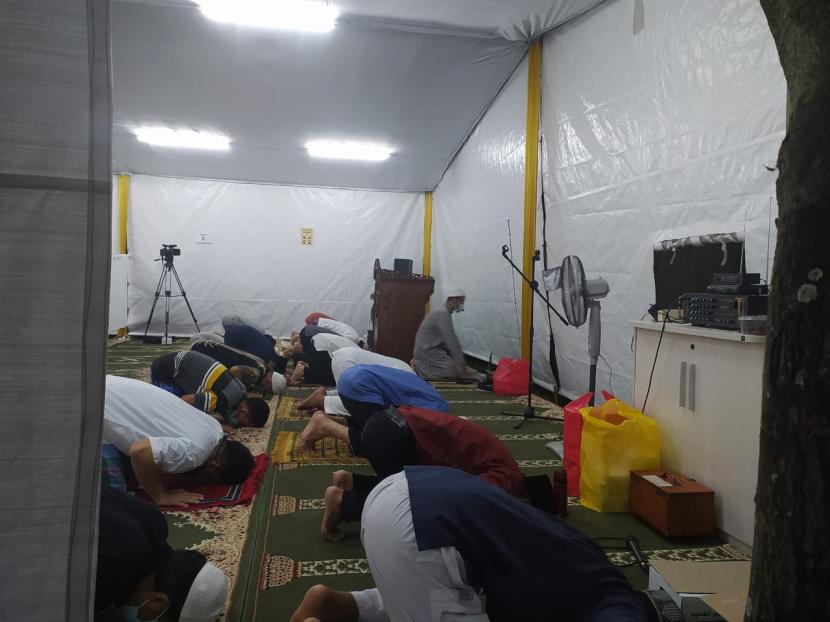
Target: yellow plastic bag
(616,439)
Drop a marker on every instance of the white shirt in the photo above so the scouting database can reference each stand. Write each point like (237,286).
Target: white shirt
(343,359)
(182,437)
(344,330)
(412,585)
(326,342)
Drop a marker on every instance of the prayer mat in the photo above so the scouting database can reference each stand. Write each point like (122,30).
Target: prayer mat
(287,410)
(287,450)
(218,495)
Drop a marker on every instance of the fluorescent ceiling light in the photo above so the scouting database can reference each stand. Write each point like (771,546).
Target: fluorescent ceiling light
(187,139)
(282,14)
(347,150)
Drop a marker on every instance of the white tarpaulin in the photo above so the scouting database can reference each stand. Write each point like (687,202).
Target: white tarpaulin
(242,253)
(516,20)
(415,75)
(652,136)
(473,206)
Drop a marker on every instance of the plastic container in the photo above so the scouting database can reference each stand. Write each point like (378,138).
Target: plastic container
(753,324)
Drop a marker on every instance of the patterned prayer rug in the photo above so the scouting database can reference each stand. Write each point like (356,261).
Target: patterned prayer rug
(288,450)
(218,495)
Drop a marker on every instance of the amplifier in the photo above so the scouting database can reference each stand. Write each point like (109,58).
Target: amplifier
(737,283)
(721,310)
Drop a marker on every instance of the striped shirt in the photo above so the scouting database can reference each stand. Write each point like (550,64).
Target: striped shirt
(213,386)
(230,357)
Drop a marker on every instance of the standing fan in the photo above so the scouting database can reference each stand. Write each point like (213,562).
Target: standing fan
(578,295)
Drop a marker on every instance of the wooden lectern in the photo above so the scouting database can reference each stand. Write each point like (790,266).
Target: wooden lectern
(398,309)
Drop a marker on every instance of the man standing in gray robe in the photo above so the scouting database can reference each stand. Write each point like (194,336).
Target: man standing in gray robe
(438,352)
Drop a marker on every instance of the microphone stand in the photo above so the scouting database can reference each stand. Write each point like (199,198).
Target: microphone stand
(528,412)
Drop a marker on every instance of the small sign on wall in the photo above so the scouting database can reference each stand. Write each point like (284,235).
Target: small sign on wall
(306,236)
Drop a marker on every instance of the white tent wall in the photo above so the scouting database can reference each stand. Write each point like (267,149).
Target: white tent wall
(480,193)
(241,250)
(654,135)
(55,114)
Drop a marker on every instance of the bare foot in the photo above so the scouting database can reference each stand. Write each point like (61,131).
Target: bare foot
(342,479)
(296,378)
(313,401)
(323,603)
(317,429)
(331,516)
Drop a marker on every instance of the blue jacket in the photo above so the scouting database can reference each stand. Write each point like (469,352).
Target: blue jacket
(530,565)
(377,384)
(249,339)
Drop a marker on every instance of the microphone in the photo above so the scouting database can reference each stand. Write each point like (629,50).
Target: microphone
(633,545)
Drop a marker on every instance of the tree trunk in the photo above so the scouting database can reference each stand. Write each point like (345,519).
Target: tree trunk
(791,556)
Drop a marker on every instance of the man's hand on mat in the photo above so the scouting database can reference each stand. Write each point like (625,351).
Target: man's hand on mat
(178,498)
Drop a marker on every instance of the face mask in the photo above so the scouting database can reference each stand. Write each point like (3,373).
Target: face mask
(232,420)
(460,308)
(130,614)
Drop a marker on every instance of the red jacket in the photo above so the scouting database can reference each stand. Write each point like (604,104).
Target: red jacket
(313,317)
(446,440)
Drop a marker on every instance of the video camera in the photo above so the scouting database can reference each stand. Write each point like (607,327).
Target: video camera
(168,251)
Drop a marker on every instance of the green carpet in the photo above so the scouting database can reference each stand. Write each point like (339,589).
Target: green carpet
(284,554)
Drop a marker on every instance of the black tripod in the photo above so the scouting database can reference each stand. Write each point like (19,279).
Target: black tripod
(168,271)
(528,412)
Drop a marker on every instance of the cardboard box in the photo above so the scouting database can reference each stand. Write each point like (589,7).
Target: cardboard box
(731,606)
(689,582)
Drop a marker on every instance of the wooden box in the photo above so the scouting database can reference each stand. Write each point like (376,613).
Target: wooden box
(671,503)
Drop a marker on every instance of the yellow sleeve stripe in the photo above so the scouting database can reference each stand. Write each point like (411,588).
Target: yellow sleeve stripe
(213,375)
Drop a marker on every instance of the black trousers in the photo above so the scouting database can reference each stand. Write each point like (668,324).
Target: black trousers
(388,444)
(319,368)
(360,413)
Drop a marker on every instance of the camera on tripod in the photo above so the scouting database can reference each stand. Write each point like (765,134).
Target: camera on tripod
(165,284)
(168,251)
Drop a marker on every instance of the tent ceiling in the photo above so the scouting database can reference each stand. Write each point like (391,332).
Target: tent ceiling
(414,75)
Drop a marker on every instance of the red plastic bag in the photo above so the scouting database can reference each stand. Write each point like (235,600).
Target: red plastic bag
(572,438)
(511,377)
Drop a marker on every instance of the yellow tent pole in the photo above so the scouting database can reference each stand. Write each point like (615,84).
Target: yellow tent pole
(534,89)
(427,233)
(123,203)
(427,268)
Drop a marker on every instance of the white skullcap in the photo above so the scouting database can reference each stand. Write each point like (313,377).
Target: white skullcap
(451,291)
(278,383)
(206,599)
